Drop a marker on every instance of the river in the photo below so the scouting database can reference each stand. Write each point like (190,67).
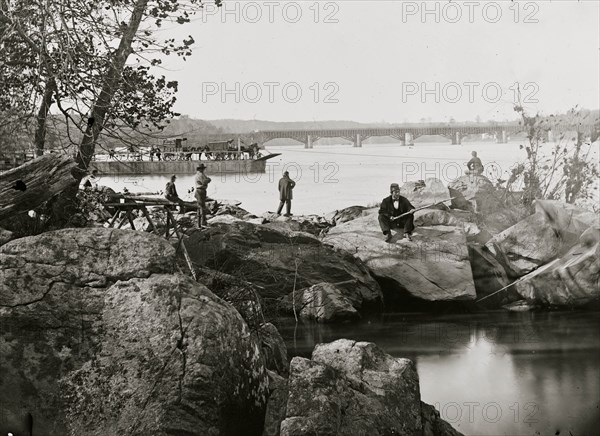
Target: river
(494,373)
(332,177)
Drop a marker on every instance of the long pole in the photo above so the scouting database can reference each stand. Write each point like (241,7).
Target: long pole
(422,207)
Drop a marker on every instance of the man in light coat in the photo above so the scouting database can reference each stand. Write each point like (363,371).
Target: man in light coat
(201,182)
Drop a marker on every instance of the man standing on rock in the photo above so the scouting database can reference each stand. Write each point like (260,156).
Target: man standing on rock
(392,207)
(201,181)
(285,194)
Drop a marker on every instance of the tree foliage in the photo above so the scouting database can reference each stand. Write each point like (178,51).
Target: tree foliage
(58,56)
(565,168)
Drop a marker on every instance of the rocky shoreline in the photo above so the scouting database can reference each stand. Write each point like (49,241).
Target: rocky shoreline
(105,332)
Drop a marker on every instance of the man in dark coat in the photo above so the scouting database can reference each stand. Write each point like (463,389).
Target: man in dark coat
(285,193)
(394,206)
(474,165)
(171,193)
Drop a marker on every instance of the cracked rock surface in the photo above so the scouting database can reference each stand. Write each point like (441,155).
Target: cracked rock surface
(174,359)
(434,266)
(90,317)
(353,388)
(268,257)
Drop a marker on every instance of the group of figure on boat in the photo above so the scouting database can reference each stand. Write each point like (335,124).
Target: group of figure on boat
(213,151)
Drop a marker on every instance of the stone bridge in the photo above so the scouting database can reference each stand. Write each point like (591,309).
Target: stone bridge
(408,133)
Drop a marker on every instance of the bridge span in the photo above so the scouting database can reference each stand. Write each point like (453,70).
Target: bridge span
(406,135)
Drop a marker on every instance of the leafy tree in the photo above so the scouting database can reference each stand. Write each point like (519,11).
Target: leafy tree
(565,170)
(94,62)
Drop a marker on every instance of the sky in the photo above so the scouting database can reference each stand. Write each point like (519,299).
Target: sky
(388,61)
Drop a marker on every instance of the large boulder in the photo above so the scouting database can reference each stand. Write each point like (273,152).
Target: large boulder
(275,259)
(52,290)
(475,193)
(539,238)
(571,280)
(353,388)
(104,304)
(425,192)
(527,245)
(173,359)
(434,267)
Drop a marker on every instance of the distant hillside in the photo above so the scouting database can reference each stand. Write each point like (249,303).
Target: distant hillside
(242,126)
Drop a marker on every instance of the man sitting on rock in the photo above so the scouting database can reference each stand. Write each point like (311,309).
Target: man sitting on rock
(474,165)
(171,193)
(392,207)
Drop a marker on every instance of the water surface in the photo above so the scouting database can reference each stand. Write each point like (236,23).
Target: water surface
(492,373)
(332,177)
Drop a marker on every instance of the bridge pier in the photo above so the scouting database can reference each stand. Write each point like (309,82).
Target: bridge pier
(456,139)
(309,142)
(501,137)
(358,141)
(408,139)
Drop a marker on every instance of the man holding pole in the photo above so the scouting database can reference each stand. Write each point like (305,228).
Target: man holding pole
(389,214)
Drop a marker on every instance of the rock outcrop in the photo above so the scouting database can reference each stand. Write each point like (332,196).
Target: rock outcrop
(98,332)
(475,193)
(541,237)
(352,388)
(273,258)
(434,267)
(173,359)
(425,192)
(571,280)
(527,245)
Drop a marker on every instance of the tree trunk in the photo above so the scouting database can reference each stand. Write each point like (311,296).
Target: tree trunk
(109,87)
(38,180)
(42,116)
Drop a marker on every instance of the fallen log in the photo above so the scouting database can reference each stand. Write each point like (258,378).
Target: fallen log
(27,186)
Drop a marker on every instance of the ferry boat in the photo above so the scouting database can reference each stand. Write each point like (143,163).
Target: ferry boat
(218,157)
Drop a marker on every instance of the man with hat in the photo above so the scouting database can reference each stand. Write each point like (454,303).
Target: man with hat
(201,181)
(394,206)
(285,194)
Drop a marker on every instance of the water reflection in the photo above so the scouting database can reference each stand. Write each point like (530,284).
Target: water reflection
(489,374)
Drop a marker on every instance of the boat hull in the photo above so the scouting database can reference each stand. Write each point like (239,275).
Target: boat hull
(115,167)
